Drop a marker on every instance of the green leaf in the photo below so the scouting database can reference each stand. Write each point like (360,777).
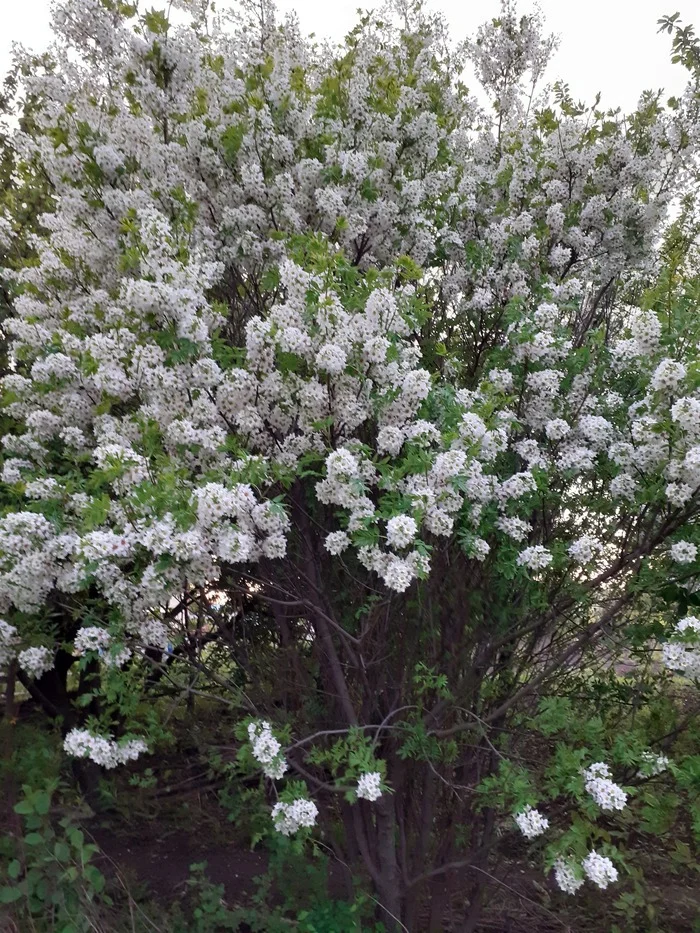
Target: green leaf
(156,21)
(10,895)
(42,802)
(232,139)
(61,851)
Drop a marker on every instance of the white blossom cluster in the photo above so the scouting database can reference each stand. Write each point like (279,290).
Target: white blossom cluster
(336,542)
(369,786)
(289,818)
(568,876)
(515,528)
(101,749)
(668,376)
(623,486)
(653,764)
(99,640)
(585,549)
(607,794)
(91,638)
(400,531)
(531,822)
(683,552)
(36,661)
(599,869)
(682,652)
(31,554)
(8,643)
(536,557)
(267,750)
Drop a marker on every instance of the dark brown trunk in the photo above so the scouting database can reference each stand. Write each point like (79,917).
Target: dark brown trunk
(389,883)
(439,899)
(7,735)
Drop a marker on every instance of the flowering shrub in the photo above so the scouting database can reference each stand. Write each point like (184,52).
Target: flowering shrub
(320,367)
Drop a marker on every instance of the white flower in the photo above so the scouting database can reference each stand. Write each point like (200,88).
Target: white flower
(438,521)
(515,528)
(368,786)
(35,661)
(336,542)
(290,817)
(398,574)
(472,428)
(91,638)
(390,440)
(101,749)
(599,869)
(545,382)
(679,493)
(478,549)
(530,451)
(341,465)
(653,764)
(11,470)
(331,358)
(401,530)
(8,643)
(274,546)
(596,429)
(567,876)
(686,413)
(42,489)
(623,486)
(689,624)
(265,745)
(536,557)
(585,549)
(608,795)
(682,655)
(576,458)
(668,375)
(677,657)
(276,769)
(501,379)
(531,822)
(516,486)
(266,750)
(646,330)
(683,552)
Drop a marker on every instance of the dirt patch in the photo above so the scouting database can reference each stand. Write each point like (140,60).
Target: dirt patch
(162,863)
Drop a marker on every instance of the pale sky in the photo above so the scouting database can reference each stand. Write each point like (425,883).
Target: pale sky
(607,45)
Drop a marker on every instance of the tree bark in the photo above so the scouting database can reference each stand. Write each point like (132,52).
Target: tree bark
(389,885)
